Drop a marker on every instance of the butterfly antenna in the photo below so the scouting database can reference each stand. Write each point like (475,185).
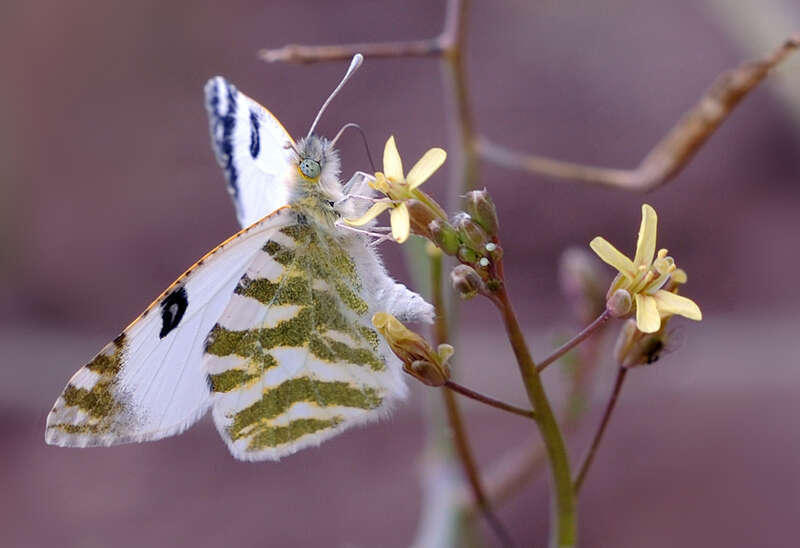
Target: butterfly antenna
(354,64)
(289,145)
(363,138)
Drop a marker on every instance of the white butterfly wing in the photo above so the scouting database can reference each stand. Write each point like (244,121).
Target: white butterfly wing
(150,382)
(251,147)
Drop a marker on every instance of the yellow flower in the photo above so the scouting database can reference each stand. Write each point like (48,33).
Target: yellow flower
(399,188)
(645,276)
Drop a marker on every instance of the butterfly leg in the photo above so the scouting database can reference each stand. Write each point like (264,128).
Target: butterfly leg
(373,232)
(358,183)
(370,199)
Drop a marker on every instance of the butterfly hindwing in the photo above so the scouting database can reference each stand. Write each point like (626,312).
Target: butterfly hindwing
(293,359)
(149,382)
(251,147)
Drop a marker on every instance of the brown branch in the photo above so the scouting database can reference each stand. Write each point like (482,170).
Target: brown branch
(447,42)
(296,53)
(601,429)
(487,400)
(576,340)
(677,147)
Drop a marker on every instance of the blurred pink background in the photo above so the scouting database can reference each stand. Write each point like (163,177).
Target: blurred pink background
(109,189)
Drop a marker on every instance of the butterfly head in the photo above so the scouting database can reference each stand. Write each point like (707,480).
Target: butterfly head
(316,159)
(317,164)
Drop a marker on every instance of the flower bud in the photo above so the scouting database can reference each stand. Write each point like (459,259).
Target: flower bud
(445,352)
(429,373)
(465,281)
(634,347)
(619,304)
(420,216)
(482,209)
(419,359)
(444,235)
(470,232)
(467,255)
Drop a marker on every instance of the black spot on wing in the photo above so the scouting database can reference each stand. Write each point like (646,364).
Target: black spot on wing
(255,137)
(173,307)
(223,125)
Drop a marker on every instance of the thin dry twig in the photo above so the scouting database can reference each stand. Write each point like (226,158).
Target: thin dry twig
(674,151)
(448,42)
(296,53)
(487,400)
(583,469)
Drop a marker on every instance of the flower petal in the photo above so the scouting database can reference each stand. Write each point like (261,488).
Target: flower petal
(646,244)
(392,164)
(612,256)
(676,304)
(376,209)
(400,223)
(379,183)
(647,318)
(425,167)
(679,276)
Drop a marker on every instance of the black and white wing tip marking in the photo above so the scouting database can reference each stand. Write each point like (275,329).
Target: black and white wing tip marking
(222,104)
(251,148)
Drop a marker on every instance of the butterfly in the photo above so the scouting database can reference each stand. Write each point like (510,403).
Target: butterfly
(270,330)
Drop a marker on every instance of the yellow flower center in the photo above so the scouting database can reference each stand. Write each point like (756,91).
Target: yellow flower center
(648,278)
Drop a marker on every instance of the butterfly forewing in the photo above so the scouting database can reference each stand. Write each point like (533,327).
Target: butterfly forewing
(252,148)
(149,382)
(309,364)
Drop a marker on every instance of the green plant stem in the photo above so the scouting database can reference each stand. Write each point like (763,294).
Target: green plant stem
(564,531)
(454,416)
(573,342)
(482,398)
(612,402)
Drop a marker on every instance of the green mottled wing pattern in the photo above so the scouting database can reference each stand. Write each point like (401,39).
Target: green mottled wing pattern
(293,359)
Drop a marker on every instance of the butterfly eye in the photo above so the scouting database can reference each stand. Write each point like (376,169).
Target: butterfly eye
(310,168)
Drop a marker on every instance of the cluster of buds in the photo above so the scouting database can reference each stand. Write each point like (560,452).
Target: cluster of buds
(471,237)
(419,359)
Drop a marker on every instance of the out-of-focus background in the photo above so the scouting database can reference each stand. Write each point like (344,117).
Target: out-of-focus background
(108,190)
